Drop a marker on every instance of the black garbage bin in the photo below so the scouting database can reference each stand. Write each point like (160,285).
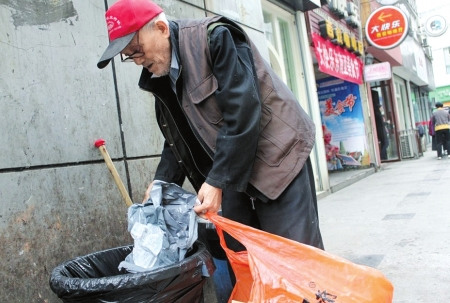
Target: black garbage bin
(96,278)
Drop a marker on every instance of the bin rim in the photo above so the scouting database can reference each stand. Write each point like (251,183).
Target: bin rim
(61,284)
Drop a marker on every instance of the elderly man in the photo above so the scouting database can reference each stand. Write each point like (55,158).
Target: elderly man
(231,126)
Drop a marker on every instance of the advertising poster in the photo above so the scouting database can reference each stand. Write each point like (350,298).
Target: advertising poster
(342,124)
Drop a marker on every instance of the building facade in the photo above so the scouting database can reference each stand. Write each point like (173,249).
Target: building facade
(403,99)
(436,37)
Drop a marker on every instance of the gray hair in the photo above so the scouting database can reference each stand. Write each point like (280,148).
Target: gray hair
(160,17)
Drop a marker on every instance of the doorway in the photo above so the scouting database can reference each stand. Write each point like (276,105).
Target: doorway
(385,121)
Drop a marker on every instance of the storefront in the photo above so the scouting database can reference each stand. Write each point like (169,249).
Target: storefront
(407,78)
(389,95)
(337,49)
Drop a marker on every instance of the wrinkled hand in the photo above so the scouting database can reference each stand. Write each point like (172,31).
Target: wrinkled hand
(210,198)
(147,192)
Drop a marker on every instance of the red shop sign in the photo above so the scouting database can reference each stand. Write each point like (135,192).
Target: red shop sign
(336,61)
(386,27)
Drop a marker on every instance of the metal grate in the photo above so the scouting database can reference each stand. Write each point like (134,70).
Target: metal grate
(405,147)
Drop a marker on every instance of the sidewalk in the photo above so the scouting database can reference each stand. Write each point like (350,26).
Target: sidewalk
(398,221)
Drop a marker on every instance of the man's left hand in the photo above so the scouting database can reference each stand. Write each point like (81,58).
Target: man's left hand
(210,198)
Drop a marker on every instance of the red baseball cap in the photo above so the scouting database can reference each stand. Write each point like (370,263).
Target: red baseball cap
(123,19)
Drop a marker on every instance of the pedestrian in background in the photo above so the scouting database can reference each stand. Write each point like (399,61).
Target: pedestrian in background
(231,126)
(382,134)
(432,133)
(441,122)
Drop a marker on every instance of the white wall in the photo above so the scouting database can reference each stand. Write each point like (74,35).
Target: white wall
(426,10)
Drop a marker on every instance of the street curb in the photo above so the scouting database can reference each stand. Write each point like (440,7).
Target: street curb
(352,179)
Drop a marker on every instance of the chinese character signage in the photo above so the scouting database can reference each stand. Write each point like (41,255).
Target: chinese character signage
(377,72)
(342,123)
(336,61)
(386,27)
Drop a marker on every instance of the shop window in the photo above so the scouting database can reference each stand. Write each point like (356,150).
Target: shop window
(279,38)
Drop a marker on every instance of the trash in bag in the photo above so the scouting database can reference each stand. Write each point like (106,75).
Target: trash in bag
(95,278)
(276,269)
(164,228)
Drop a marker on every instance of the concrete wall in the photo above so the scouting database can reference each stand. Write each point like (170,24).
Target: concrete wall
(57,198)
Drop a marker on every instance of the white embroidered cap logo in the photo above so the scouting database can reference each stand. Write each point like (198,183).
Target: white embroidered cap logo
(113,24)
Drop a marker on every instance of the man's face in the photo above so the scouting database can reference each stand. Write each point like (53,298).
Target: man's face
(154,43)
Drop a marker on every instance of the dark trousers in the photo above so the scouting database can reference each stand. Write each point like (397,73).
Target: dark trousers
(294,215)
(442,138)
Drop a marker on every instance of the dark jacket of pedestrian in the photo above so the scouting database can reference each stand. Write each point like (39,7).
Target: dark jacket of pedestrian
(441,119)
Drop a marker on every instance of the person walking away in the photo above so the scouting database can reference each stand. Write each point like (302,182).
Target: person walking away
(441,122)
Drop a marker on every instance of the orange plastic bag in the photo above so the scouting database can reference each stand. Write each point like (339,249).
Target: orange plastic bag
(276,269)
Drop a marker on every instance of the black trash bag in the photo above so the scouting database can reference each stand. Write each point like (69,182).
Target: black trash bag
(96,278)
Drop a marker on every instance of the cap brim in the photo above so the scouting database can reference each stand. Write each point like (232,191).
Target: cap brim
(114,48)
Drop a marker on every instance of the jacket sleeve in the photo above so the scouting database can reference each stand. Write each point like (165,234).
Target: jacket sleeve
(238,99)
(168,169)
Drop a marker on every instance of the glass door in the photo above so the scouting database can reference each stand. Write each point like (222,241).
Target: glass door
(401,98)
(385,121)
(406,131)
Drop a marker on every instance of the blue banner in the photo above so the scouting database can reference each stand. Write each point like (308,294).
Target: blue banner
(342,123)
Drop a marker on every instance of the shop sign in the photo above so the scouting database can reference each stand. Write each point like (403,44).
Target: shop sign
(377,72)
(336,61)
(386,27)
(340,37)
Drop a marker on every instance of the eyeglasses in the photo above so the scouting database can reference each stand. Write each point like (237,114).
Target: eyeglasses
(134,55)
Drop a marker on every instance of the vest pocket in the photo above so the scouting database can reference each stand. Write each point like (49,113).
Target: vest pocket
(202,96)
(276,139)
